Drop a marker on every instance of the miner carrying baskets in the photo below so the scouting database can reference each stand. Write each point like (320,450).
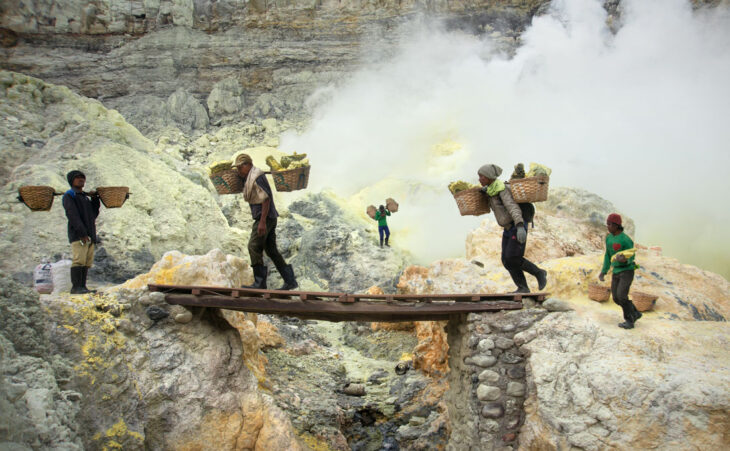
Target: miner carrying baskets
(257,192)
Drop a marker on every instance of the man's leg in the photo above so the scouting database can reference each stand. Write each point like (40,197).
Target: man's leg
(256,245)
(380,232)
(620,285)
(87,264)
(78,262)
(272,250)
(387,236)
(512,252)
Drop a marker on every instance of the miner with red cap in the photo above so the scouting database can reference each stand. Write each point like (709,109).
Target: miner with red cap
(621,266)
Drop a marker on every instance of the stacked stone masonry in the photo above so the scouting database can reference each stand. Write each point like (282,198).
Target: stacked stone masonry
(487,378)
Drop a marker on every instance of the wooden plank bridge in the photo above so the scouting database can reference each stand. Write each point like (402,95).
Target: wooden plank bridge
(344,306)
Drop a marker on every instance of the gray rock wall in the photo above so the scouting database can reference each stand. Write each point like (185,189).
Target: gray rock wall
(487,383)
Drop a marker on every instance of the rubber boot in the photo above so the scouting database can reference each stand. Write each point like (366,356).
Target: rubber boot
(518,277)
(77,274)
(386,241)
(85,274)
(287,273)
(381,242)
(539,274)
(260,273)
(628,310)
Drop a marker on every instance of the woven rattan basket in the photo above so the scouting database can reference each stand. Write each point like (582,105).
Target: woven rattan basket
(292,179)
(227,182)
(113,196)
(371,210)
(531,189)
(599,293)
(643,301)
(391,205)
(471,202)
(37,198)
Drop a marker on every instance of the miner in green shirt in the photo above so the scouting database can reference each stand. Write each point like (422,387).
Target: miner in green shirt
(380,216)
(619,260)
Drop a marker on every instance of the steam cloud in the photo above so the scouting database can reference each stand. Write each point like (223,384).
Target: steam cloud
(639,117)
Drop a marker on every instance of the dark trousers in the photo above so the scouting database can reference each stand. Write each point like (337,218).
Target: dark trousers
(513,258)
(386,230)
(257,245)
(620,286)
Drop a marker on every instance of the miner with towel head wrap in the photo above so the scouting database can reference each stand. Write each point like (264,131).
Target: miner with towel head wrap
(82,210)
(509,216)
(257,192)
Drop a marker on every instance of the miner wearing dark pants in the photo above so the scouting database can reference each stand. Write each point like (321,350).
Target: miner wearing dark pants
(619,260)
(509,216)
(257,192)
(82,210)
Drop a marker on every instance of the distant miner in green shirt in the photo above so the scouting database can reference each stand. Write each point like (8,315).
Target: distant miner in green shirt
(380,216)
(619,260)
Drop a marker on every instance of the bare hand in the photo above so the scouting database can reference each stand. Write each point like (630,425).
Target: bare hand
(621,258)
(261,229)
(602,276)
(85,239)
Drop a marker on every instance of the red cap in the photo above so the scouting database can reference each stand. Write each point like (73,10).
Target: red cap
(615,218)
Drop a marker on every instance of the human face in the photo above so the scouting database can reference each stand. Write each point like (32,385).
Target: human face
(485,181)
(612,228)
(78,183)
(244,169)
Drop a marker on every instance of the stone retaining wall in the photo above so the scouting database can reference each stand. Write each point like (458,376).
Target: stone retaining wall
(487,378)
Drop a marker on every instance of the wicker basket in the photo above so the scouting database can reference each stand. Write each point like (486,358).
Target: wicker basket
(531,189)
(113,196)
(472,202)
(599,293)
(291,179)
(643,301)
(37,198)
(391,205)
(371,210)
(227,182)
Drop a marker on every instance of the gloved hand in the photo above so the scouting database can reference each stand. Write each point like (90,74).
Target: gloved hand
(521,233)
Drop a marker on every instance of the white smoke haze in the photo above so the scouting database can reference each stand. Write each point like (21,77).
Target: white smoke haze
(638,117)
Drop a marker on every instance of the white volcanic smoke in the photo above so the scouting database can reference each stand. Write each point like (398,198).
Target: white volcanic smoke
(638,117)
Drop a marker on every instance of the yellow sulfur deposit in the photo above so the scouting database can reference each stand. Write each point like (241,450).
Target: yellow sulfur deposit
(538,169)
(287,160)
(458,186)
(296,160)
(628,253)
(273,164)
(219,166)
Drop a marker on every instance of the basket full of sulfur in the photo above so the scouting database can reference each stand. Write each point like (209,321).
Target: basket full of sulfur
(224,178)
(469,198)
(291,173)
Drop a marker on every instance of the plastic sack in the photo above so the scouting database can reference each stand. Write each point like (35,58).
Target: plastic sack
(61,274)
(42,278)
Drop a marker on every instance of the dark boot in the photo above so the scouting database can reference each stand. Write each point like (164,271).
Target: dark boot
(386,241)
(260,273)
(626,325)
(635,314)
(539,274)
(77,277)
(287,273)
(518,277)
(381,242)
(85,274)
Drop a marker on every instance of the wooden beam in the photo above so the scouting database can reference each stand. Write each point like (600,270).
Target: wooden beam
(339,311)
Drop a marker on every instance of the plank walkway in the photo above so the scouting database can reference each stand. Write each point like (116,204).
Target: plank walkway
(344,306)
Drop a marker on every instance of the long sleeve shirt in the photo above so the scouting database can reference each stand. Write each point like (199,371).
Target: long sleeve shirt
(381,218)
(615,244)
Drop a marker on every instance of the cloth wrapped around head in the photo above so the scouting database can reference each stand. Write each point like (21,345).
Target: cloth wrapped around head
(72,175)
(490,171)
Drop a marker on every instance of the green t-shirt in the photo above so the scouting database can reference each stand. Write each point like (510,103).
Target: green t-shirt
(381,218)
(614,244)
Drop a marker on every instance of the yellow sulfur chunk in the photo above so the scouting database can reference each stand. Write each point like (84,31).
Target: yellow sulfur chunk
(459,185)
(219,166)
(273,164)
